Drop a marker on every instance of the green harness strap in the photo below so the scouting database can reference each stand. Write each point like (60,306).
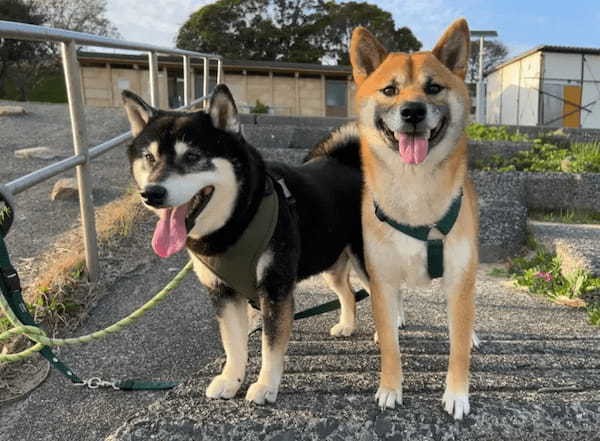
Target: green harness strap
(435,247)
(237,265)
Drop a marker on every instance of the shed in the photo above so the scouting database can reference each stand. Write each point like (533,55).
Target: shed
(553,86)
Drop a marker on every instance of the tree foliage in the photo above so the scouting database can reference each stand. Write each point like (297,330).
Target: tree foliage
(342,18)
(14,52)
(494,53)
(27,63)
(288,30)
(78,15)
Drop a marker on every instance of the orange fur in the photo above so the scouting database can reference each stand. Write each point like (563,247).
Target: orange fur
(417,195)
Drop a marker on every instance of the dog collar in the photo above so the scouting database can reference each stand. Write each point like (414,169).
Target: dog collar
(435,247)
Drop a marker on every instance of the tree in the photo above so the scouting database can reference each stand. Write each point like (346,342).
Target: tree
(494,53)
(13,52)
(306,31)
(254,29)
(341,19)
(78,15)
(31,62)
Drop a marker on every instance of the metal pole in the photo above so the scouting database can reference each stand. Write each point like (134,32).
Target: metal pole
(480,100)
(205,82)
(219,71)
(187,88)
(80,145)
(153,71)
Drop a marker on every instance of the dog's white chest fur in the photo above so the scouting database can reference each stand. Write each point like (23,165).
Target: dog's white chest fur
(402,258)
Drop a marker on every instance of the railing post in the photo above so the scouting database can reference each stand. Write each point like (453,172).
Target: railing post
(153,74)
(187,80)
(205,82)
(80,145)
(219,71)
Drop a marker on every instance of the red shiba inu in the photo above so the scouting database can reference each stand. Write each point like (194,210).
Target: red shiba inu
(419,207)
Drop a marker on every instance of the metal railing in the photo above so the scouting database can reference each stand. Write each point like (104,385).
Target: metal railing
(83,154)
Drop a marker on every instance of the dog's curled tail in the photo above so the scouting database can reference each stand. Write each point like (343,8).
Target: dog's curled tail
(343,144)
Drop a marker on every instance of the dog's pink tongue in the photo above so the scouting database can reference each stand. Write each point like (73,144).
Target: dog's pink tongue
(170,233)
(413,149)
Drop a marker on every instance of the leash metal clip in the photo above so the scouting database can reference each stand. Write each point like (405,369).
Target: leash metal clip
(97,382)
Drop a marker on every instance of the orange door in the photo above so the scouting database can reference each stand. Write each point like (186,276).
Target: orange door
(571,113)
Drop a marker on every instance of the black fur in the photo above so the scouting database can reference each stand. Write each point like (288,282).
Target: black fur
(309,236)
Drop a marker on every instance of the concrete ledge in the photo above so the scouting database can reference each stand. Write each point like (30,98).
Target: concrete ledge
(555,191)
(484,150)
(282,136)
(577,135)
(578,246)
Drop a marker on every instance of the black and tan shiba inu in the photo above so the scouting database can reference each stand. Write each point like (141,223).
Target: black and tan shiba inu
(419,207)
(208,186)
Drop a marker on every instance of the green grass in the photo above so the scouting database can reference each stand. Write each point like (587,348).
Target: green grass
(541,274)
(594,314)
(51,89)
(566,216)
(481,132)
(544,157)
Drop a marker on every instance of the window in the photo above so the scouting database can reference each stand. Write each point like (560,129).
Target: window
(336,98)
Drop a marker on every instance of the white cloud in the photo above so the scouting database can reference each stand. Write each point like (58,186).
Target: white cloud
(427,19)
(157,23)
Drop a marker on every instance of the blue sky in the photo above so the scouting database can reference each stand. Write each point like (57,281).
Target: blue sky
(521,24)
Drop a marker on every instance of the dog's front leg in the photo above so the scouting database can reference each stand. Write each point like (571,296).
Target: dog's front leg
(460,290)
(233,324)
(385,311)
(278,312)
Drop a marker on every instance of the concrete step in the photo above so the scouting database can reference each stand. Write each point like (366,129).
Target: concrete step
(534,376)
(578,246)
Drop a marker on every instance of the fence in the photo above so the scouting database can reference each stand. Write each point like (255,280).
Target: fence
(83,156)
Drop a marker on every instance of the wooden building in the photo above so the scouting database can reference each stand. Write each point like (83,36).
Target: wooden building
(293,89)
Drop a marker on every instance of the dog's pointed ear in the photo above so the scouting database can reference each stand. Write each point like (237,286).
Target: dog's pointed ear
(453,48)
(138,111)
(222,110)
(366,54)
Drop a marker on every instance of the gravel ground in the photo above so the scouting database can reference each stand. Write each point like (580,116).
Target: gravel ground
(40,220)
(529,346)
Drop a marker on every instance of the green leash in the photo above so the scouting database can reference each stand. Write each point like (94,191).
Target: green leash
(435,247)
(15,309)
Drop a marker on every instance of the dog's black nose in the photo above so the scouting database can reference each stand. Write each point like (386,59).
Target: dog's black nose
(154,195)
(413,112)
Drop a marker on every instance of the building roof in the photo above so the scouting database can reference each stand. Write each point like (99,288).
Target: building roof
(548,48)
(248,65)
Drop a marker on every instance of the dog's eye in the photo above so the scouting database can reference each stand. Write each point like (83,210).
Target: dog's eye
(390,91)
(432,89)
(150,158)
(192,157)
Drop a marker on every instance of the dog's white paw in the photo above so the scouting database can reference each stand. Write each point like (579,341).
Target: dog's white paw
(342,330)
(456,405)
(475,342)
(386,397)
(223,387)
(261,393)
(401,319)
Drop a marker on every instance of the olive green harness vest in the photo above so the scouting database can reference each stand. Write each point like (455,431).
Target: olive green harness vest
(236,266)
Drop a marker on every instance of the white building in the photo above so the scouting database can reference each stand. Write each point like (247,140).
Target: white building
(553,86)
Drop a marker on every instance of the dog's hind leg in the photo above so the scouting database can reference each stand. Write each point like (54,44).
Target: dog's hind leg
(338,279)
(233,324)
(278,315)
